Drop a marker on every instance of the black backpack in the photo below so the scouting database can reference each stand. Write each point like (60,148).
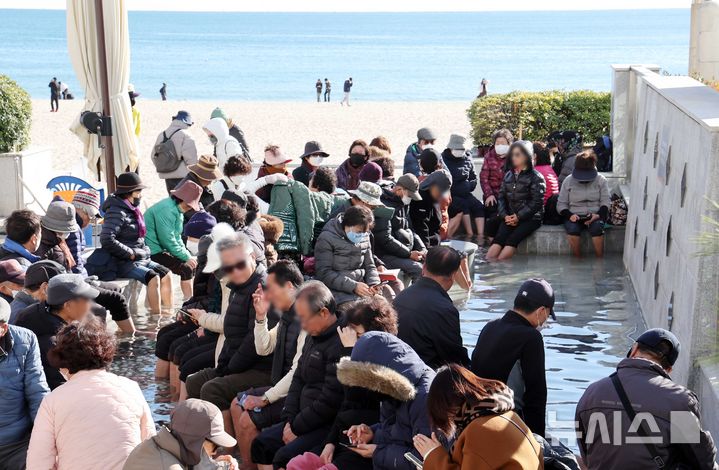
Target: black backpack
(164,155)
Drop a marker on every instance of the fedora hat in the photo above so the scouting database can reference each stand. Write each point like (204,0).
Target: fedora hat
(188,192)
(206,168)
(128,183)
(314,148)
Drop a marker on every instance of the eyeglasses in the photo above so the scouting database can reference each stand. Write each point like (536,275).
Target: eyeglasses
(240,266)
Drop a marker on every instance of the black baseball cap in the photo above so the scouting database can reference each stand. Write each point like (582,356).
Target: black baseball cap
(652,338)
(537,293)
(42,271)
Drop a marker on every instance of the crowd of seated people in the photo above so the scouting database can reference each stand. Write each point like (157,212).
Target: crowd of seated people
(297,344)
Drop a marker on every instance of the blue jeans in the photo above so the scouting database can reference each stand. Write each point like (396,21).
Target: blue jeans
(142,272)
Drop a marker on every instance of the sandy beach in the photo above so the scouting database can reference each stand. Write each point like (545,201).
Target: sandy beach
(288,124)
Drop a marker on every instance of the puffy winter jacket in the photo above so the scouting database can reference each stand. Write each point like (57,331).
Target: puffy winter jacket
(522,194)
(464,179)
(49,248)
(550,180)
(76,243)
(95,420)
(650,390)
(340,264)
(120,234)
(184,146)
(315,394)
(426,219)
(164,229)
(22,383)
(580,198)
(492,174)
(386,364)
(393,235)
(45,325)
(226,146)
(238,353)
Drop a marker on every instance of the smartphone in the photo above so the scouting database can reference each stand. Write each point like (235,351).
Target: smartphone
(186,315)
(242,401)
(349,446)
(414,460)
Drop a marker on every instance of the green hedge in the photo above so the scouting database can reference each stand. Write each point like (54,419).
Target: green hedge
(539,113)
(15,115)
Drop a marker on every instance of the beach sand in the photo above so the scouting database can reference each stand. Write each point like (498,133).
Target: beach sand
(288,124)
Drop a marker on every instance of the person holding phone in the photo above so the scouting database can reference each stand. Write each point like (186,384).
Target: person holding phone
(584,203)
(520,204)
(478,414)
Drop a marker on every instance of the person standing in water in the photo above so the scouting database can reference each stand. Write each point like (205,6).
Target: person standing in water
(54,95)
(318,86)
(347,89)
(328,89)
(163,91)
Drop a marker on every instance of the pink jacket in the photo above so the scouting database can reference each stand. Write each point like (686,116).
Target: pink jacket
(550,178)
(94,420)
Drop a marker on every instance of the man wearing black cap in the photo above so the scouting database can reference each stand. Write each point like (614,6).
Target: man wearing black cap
(511,349)
(669,413)
(426,215)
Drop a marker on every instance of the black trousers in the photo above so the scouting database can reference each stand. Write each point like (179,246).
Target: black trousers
(168,334)
(112,299)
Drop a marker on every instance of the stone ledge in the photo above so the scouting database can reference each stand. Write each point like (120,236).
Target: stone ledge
(552,240)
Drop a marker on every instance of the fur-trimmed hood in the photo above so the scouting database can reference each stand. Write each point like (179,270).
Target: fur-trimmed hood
(383,363)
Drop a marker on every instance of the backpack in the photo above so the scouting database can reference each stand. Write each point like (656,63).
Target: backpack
(618,210)
(164,155)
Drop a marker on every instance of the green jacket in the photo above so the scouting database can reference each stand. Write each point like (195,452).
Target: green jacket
(302,212)
(164,229)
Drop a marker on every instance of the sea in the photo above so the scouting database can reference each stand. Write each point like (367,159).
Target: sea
(390,56)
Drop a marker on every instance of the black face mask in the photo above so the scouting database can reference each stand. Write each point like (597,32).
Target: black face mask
(136,201)
(357,159)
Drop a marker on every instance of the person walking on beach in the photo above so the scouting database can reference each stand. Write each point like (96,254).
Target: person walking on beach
(163,91)
(54,95)
(347,89)
(318,86)
(328,89)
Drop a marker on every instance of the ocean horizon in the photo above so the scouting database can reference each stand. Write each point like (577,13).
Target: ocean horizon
(391,56)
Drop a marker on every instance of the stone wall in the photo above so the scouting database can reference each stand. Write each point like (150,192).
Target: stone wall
(671,146)
(704,40)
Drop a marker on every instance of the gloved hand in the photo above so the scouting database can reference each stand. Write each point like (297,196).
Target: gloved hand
(276,178)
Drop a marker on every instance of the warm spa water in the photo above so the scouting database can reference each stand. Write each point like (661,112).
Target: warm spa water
(597,315)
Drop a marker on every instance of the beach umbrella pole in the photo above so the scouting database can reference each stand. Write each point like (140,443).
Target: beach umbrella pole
(107,150)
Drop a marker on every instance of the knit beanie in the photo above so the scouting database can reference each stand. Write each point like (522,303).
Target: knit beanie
(88,200)
(371,172)
(199,225)
(218,113)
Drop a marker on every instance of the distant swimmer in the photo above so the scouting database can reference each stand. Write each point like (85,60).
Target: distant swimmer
(347,89)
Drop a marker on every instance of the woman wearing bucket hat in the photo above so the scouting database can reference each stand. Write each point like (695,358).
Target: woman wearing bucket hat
(123,251)
(584,203)
(164,233)
(520,204)
(313,157)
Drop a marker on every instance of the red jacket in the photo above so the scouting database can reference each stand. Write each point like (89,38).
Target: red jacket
(550,177)
(492,174)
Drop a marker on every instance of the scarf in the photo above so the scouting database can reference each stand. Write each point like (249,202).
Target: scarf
(15,247)
(499,402)
(141,227)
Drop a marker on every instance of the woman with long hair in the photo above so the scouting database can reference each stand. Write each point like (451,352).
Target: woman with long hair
(478,414)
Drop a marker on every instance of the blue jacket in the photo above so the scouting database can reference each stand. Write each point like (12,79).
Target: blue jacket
(22,384)
(76,243)
(400,420)
(411,160)
(464,178)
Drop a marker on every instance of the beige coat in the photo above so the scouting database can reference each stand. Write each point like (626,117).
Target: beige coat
(94,420)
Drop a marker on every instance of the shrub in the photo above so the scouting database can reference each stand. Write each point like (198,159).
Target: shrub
(539,113)
(15,114)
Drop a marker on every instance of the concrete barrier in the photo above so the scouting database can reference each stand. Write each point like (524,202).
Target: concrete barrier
(552,240)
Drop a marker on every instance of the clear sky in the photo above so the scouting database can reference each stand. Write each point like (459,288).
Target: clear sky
(368,5)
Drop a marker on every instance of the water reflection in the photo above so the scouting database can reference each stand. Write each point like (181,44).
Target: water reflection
(597,315)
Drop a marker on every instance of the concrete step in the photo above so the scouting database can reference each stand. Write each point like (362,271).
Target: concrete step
(552,240)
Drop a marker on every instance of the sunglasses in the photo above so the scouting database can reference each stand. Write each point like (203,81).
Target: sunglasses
(240,266)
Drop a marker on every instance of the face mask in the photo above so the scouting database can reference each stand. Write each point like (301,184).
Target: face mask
(315,161)
(357,159)
(136,201)
(544,325)
(458,153)
(213,140)
(238,181)
(501,149)
(426,146)
(357,237)
(192,246)
(406,200)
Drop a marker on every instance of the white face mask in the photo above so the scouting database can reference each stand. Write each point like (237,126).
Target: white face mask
(239,181)
(426,146)
(501,149)
(406,200)
(315,161)
(458,153)
(192,246)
